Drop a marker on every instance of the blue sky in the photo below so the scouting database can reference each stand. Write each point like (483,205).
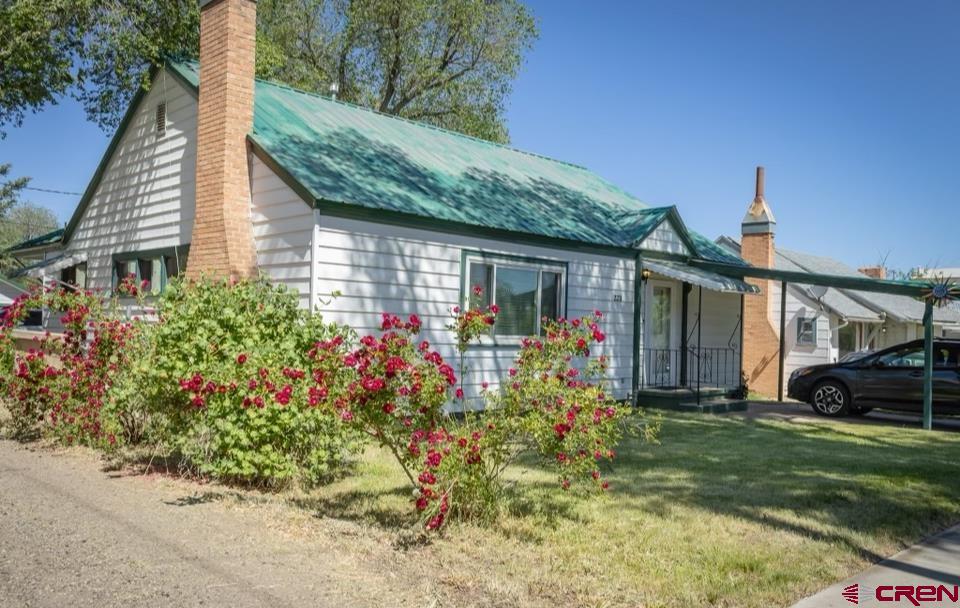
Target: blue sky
(853,107)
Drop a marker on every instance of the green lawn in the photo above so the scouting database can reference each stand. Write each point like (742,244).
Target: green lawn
(725,512)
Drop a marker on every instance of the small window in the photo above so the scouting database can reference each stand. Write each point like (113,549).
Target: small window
(525,293)
(161,119)
(123,269)
(75,275)
(151,271)
(34,318)
(173,265)
(806,331)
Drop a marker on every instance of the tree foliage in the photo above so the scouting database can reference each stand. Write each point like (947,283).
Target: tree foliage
(38,42)
(446,62)
(10,189)
(25,220)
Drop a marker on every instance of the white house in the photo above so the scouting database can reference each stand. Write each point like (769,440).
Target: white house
(214,172)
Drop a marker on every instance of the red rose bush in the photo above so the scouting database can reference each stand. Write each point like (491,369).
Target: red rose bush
(245,386)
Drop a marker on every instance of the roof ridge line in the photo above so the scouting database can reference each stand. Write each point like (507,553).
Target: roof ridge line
(348,104)
(419,124)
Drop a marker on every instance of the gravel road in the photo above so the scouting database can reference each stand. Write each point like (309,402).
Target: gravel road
(72,535)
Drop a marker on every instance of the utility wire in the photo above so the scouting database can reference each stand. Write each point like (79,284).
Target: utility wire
(53,191)
(45,190)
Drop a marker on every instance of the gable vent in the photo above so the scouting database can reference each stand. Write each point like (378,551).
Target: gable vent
(161,119)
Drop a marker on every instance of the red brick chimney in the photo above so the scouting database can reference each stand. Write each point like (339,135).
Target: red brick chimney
(874,272)
(761,341)
(222,242)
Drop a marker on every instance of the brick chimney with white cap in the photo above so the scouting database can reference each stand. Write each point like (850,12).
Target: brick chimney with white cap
(222,242)
(761,340)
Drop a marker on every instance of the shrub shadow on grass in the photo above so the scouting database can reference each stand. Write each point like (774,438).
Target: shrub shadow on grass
(384,508)
(821,481)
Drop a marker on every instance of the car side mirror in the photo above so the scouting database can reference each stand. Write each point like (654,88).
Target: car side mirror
(879,364)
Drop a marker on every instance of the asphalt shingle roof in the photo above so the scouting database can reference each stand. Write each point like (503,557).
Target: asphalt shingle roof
(858,305)
(897,307)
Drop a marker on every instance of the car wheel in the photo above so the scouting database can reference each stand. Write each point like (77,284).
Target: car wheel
(830,398)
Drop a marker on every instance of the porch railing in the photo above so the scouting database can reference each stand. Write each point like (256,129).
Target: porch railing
(710,367)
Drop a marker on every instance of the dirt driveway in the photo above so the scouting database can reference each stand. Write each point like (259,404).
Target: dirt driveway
(73,536)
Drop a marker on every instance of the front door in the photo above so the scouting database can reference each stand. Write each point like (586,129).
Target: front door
(662,333)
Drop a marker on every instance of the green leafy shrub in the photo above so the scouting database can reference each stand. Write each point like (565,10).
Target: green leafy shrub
(227,376)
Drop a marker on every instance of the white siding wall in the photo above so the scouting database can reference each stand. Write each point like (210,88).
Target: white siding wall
(145,199)
(664,238)
(897,333)
(381,268)
(282,230)
(802,355)
(720,329)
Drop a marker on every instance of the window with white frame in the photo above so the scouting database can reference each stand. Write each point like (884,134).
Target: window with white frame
(806,331)
(524,290)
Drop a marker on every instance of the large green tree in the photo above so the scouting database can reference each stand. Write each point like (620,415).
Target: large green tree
(38,44)
(447,62)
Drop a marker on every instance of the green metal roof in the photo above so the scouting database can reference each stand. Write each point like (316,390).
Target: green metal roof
(339,154)
(51,238)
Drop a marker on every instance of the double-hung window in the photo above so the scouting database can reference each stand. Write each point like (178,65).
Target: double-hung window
(806,331)
(524,290)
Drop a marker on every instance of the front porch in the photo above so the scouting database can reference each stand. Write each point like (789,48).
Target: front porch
(692,332)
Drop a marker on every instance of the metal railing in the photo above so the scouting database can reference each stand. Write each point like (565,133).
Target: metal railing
(705,367)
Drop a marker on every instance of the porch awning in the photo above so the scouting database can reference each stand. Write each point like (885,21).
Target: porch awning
(50,265)
(698,276)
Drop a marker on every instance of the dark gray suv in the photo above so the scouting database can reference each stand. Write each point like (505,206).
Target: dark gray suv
(891,379)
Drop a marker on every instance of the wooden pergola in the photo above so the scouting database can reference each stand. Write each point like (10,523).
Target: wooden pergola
(913,288)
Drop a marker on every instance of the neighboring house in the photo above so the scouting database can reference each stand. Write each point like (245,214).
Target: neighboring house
(824,324)
(213,172)
(41,252)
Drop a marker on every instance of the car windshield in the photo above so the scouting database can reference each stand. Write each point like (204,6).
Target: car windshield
(856,356)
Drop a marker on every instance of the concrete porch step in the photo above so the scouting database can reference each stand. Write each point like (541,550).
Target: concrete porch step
(712,406)
(669,398)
